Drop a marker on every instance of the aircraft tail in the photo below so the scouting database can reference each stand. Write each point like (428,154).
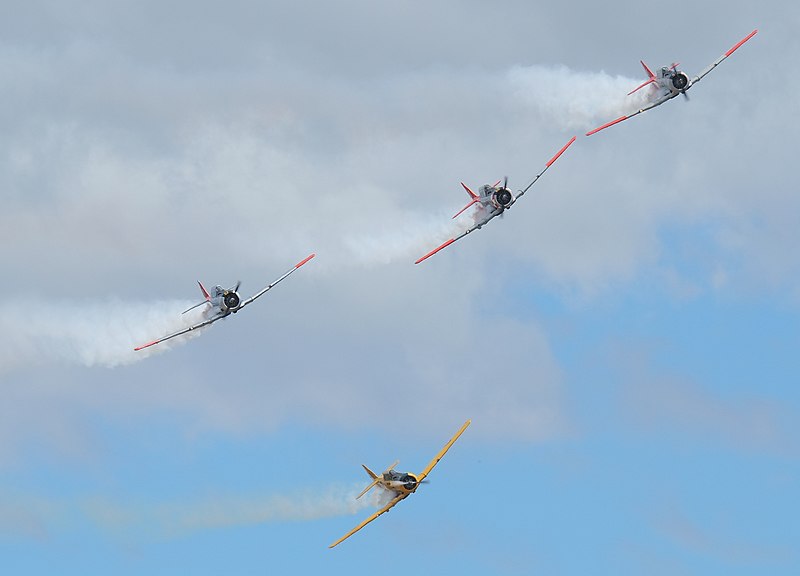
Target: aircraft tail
(650,78)
(371,484)
(206,295)
(474,199)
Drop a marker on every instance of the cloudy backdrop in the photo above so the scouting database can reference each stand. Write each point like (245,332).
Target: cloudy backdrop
(625,339)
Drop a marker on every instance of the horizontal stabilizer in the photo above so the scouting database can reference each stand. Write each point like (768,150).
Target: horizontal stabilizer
(368,488)
(206,295)
(640,86)
(473,201)
(195,306)
(371,484)
(651,78)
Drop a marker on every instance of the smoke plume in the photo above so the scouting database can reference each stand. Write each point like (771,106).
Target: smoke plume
(575,100)
(215,512)
(89,333)
(36,517)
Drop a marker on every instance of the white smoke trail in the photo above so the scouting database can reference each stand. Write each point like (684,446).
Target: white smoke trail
(311,505)
(419,234)
(569,99)
(89,333)
(575,100)
(34,516)
(215,512)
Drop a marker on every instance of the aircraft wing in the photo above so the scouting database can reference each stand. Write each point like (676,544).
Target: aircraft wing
(546,166)
(653,104)
(484,219)
(435,461)
(719,60)
(386,508)
(184,331)
(459,237)
(269,287)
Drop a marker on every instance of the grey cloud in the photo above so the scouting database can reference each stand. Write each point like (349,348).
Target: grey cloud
(143,153)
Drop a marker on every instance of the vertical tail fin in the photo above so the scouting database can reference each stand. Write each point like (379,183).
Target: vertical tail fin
(649,72)
(206,295)
(371,484)
(474,199)
(650,78)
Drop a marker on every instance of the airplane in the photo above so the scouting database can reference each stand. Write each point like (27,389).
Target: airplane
(400,484)
(223,303)
(670,82)
(492,200)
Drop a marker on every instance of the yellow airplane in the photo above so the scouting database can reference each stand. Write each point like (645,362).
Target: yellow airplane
(401,484)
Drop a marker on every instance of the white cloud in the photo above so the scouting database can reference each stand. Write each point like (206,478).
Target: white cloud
(171,160)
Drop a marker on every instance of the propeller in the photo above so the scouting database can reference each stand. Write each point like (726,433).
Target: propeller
(236,288)
(505,186)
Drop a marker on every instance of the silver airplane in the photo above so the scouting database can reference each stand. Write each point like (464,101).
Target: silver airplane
(492,200)
(223,303)
(671,82)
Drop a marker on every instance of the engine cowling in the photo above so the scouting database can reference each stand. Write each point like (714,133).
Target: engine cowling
(409,482)
(231,300)
(680,81)
(503,197)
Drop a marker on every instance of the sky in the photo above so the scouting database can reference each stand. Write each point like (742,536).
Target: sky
(624,339)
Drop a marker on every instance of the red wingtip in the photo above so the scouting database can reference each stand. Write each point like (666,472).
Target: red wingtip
(606,125)
(306,259)
(560,152)
(742,41)
(146,345)
(435,250)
